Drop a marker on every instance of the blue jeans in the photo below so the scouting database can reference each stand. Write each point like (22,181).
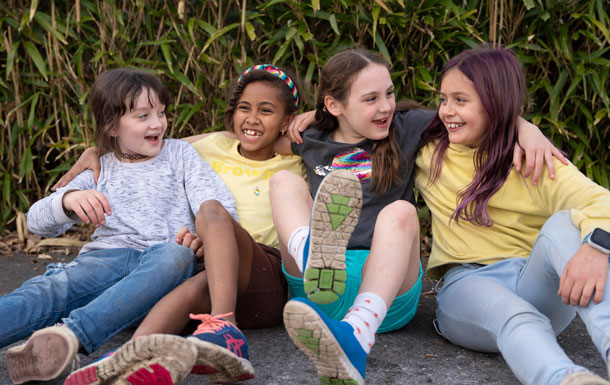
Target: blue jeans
(512,307)
(97,295)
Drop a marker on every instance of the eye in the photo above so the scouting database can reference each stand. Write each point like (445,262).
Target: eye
(442,100)
(461,100)
(370,99)
(242,107)
(267,111)
(390,92)
(143,116)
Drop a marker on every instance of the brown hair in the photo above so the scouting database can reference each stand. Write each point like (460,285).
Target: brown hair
(113,94)
(256,75)
(336,81)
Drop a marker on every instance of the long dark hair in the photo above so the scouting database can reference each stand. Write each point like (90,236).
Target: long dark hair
(499,81)
(114,93)
(336,81)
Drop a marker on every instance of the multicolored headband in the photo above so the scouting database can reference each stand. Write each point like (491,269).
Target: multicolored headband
(273,70)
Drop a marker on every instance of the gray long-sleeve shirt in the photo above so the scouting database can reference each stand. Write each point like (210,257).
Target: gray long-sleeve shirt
(150,200)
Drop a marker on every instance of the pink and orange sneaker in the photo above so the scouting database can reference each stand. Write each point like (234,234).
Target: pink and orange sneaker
(222,350)
(154,359)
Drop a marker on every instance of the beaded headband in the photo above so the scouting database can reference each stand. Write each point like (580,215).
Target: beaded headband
(273,70)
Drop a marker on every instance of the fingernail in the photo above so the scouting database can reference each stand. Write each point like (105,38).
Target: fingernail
(534,183)
(552,176)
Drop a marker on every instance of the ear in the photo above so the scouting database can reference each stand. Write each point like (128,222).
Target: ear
(333,106)
(113,132)
(286,123)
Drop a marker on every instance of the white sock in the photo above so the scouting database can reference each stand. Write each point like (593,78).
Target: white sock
(366,315)
(296,245)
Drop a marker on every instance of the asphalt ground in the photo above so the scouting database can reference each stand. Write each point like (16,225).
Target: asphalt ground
(415,354)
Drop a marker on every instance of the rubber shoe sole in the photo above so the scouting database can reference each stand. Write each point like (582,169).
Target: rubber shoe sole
(583,378)
(220,365)
(46,355)
(154,359)
(335,214)
(310,334)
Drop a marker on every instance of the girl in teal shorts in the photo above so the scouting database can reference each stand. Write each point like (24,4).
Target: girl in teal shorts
(351,254)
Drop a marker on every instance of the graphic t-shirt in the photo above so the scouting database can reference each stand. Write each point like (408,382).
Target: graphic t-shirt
(322,155)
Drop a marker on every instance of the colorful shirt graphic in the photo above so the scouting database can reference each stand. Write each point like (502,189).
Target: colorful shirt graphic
(355,160)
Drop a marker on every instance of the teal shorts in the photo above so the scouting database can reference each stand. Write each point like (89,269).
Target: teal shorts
(399,314)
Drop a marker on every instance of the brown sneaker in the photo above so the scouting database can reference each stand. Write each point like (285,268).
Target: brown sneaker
(583,378)
(46,355)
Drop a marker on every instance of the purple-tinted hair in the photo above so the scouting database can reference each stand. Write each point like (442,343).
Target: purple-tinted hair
(499,81)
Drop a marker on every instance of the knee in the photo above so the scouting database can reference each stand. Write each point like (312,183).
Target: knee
(560,229)
(282,179)
(176,260)
(399,214)
(522,325)
(213,211)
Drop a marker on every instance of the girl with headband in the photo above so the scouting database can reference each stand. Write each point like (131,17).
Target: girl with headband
(242,285)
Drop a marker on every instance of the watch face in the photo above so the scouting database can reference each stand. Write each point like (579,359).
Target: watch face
(601,238)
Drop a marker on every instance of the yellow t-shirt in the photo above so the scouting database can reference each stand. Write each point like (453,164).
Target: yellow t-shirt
(248,180)
(518,209)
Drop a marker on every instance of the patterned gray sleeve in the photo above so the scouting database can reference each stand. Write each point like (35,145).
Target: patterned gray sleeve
(47,217)
(202,183)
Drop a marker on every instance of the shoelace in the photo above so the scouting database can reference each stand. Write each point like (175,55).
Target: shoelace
(210,323)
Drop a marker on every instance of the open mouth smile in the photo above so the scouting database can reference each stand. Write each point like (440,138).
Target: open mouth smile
(251,133)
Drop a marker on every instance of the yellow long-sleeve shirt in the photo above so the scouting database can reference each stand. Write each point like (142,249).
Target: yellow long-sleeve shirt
(518,209)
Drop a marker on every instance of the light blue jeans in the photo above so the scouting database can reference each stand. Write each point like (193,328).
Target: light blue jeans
(512,307)
(97,295)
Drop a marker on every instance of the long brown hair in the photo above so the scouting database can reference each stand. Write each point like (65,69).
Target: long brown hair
(114,93)
(498,79)
(336,81)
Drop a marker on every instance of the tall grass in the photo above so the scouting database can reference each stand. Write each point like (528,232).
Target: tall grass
(52,51)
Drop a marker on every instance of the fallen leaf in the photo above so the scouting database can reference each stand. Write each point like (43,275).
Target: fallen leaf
(56,242)
(44,256)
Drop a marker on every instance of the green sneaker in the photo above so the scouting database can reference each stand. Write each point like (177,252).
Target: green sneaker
(334,215)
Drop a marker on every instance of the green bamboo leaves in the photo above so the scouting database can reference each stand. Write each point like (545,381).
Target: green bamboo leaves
(51,52)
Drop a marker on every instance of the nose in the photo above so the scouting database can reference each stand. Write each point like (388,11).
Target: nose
(252,118)
(156,120)
(385,105)
(446,109)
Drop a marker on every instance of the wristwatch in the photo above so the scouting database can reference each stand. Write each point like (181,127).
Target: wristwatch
(598,239)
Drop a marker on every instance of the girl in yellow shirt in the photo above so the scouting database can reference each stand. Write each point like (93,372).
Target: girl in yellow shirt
(515,269)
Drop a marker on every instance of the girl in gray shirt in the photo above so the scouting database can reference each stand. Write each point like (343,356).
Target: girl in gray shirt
(147,190)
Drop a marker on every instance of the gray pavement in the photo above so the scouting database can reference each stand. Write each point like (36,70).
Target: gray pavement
(412,355)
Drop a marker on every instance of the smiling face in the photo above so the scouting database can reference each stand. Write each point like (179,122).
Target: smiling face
(368,109)
(140,131)
(461,110)
(259,117)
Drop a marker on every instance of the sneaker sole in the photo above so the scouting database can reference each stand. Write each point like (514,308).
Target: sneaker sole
(219,364)
(583,378)
(43,357)
(155,359)
(310,334)
(335,214)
